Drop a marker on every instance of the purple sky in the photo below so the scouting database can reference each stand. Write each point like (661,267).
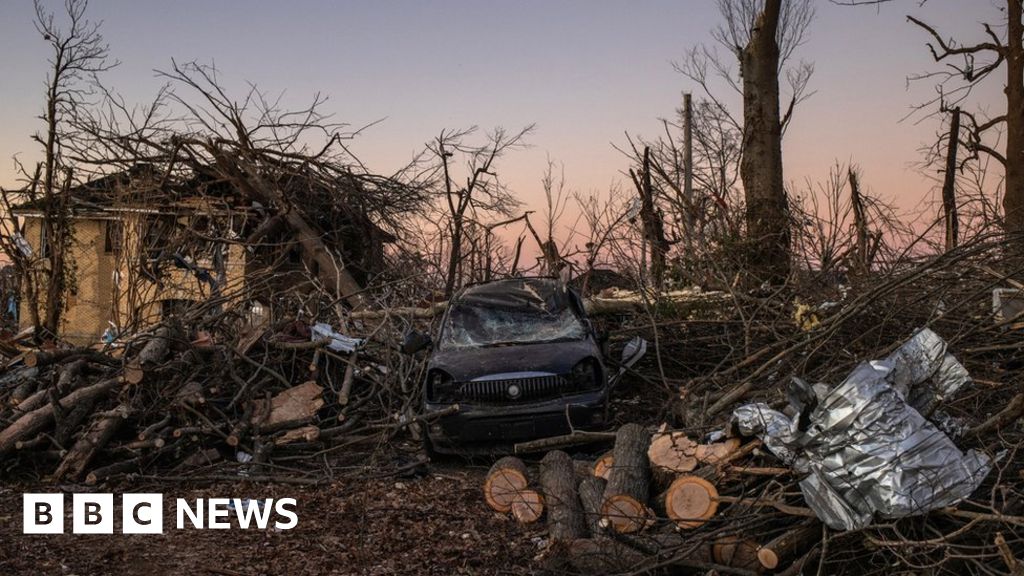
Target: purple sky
(585,71)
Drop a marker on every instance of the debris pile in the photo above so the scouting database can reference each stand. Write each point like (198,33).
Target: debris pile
(174,404)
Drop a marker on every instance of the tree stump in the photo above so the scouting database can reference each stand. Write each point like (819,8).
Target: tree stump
(625,496)
(505,479)
(558,482)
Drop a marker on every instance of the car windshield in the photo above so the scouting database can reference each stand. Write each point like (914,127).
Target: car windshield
(476,326)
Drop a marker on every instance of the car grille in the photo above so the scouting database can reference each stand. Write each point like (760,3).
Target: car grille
(534,388)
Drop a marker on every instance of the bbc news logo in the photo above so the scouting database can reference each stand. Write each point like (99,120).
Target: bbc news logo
(144,513)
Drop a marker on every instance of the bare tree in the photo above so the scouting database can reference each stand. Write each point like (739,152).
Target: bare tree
(763,36)
(481,193)
(78,53)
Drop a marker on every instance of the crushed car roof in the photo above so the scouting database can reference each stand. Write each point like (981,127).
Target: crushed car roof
(546,295)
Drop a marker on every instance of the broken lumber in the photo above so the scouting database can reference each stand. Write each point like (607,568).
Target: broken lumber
(293,407)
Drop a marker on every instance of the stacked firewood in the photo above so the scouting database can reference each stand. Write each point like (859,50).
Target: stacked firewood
(660,498)
(169,404)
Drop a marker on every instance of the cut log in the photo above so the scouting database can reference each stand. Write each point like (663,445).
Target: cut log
(591,491)
(671,454)
(603,465)
(689,501)
(33,422)
(156,348)
(558,483)
(527,506)
(505,479)
(789,545)
(737,552)
(628,488)
(91,441)
(293,407)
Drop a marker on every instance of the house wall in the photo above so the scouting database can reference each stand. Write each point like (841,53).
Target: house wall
(89,301)
(140,299)
(112,288)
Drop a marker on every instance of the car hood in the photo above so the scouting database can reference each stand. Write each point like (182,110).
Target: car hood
(464,364)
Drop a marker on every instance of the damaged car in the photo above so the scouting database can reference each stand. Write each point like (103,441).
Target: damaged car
(521,360)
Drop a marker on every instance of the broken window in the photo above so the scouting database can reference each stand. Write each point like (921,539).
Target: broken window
(113,237)
(529,311)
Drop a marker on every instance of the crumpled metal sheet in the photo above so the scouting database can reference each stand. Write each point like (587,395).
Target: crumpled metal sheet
(867,450)
(924,372)
(337,342)
(776,430)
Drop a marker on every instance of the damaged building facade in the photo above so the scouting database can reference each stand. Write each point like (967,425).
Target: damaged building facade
(141,251)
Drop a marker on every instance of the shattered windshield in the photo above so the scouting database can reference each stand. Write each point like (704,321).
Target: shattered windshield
(475,326)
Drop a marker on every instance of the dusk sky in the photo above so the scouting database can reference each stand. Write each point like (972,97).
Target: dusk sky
(585,72)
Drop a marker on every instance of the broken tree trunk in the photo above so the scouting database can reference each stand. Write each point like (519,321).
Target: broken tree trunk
(505,479)
(92,440)
(625,497)
(293,407)
(558,482)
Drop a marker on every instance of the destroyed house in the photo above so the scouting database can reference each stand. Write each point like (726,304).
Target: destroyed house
(141,250)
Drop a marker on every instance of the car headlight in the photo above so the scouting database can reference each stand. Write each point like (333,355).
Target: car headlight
(586,375)
(440,387)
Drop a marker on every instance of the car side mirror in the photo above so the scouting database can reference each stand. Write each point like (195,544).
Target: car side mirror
(415,341)
(634,350)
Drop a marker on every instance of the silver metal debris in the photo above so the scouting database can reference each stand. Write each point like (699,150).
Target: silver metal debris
(867,450)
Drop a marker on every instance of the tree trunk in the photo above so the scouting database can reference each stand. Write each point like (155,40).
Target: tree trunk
(949,183)
(558,482)
(761,166)
(1013,200)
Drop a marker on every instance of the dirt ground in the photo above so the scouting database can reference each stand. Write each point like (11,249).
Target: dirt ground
(434,524)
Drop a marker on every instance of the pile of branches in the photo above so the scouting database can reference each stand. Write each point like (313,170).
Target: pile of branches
(278,403)
(737,509)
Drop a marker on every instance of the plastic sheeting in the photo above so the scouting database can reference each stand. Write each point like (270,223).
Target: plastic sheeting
(867,450)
